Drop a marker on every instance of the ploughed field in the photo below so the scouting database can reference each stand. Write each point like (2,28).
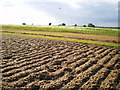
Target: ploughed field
(34,63)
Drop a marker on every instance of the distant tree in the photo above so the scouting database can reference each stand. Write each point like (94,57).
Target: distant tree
(23,23)
(59,25)
(75,25)
(32,23)
(91,25)
(84,25)
(63,24)
(50,24)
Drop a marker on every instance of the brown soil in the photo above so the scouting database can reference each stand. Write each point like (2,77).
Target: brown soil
(33,63)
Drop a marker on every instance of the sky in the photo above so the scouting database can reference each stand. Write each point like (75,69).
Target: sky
(43,12)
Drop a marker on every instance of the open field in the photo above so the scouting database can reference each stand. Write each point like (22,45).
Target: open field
(36,63)
(65,58)
(90,30)
(42,63)
(98,36)
(105,38)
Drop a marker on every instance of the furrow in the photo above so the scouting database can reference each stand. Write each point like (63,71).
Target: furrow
(95,80)
(19,61)
(82,77)
(112,80)
(15,76)
(113,61)
(57,84)
(23,64)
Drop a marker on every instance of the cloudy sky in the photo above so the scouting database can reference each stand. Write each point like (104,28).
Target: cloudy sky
(42,12)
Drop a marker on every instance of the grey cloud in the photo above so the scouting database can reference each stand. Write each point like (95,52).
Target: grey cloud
(63,12)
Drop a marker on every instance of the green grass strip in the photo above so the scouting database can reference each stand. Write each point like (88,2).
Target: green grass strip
(98,31)
(68,39)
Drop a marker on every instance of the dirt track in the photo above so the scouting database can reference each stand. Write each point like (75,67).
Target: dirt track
(47,64)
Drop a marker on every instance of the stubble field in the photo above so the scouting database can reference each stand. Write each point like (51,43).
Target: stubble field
(34,63)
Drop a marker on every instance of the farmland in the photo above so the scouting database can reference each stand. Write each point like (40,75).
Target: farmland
(99,36)
(50,58)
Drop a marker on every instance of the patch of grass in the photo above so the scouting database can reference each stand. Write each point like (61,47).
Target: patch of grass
(68,39)
(33,32)
(64,34)
(90,30)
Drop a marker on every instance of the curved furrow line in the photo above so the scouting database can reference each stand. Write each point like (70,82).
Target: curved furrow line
(100,51)
(95,80)
(82,77)
(36,84)
(73,59)
(112,80)
(15,76)
(78,63)
(30,66)
(41,75)
(113,61)
(29,78)
(68,54)
(58,83)
(103,54)
(85,66)
(21,59)
(18,59)
(24,64)
(77,60)
(106,58)
(108,55)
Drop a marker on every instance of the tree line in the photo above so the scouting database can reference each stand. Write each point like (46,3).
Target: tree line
(63,24)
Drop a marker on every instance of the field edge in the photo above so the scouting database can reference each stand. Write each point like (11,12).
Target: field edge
(68,39)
